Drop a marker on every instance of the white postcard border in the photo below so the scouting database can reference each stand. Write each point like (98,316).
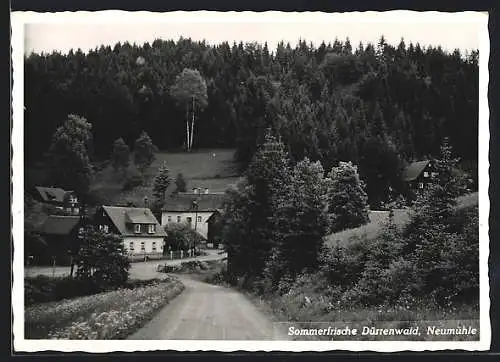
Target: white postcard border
(19,19)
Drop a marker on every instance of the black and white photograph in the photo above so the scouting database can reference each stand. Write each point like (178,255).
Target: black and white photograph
(250,181)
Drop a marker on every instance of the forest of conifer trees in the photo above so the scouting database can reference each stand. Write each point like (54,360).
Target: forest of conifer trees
(378,106)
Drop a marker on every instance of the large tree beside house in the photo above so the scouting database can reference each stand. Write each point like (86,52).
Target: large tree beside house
(251,209)
(301,222)
(102,258)
(69,155)
(160,185)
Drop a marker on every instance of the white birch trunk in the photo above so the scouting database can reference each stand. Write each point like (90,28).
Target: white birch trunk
(192,129)
(187,127)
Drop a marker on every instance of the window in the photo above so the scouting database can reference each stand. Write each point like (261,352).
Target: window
(169,218)
(178,219)
(199,218)
(189,220)
(152,228)
(426,174)
(154,246)
(104,228)
(131,246)
(137,228)
(420,185)
(143,246)
(434,174)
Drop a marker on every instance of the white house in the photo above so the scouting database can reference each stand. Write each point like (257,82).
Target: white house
(142,234)
(193,208)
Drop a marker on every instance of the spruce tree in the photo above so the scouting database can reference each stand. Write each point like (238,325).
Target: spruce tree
(160,185)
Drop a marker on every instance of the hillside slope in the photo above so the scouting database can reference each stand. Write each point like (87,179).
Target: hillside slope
(378,218)
(214,169)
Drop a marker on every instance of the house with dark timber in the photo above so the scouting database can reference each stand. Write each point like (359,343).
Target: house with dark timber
(62,199)
(417,175)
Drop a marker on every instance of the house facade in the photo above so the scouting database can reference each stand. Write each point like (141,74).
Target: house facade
(142,234)
(192,208)
(214,224)
(61,236)
(418,175)
(62,199)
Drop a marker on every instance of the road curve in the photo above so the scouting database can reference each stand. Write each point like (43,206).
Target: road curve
(208,312)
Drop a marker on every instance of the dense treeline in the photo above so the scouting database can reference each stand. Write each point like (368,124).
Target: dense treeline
(376,105)
(276,220)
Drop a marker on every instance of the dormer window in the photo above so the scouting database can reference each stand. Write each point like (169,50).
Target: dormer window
(152,228)
(137,228)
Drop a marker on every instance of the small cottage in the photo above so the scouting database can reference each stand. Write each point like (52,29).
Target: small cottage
(62,199)
(61,236)
(417,175)
(142,234)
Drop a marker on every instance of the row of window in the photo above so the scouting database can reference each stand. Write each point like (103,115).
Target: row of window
(432,174)
(189,219)
(151,228)
(143,246)
(137,228)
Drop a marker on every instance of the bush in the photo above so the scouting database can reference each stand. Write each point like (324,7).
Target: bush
(180,236)
(46,289)
(131,182)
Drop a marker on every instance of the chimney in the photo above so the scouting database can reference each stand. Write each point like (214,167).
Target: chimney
(145,201)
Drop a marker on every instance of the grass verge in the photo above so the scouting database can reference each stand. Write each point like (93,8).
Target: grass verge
(110,315)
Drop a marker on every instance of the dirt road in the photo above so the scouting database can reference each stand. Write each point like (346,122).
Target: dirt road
(140,270)
(208,312)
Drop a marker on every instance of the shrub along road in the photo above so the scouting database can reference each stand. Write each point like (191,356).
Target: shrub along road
(140,270)
(208,312)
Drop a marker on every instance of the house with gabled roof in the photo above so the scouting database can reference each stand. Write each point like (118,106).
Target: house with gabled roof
(60,233)
(142,234)
(417,175)
(62,199)
(193,208)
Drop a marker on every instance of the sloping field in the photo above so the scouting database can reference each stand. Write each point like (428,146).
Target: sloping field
(378,218)
(211,168)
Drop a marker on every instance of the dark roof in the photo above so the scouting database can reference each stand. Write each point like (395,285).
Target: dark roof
(52,194)
(120,216)
(218,212)
(59,225)
(184,202)
(413,170)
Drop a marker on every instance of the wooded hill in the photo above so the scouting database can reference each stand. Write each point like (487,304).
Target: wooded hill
(375,105)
